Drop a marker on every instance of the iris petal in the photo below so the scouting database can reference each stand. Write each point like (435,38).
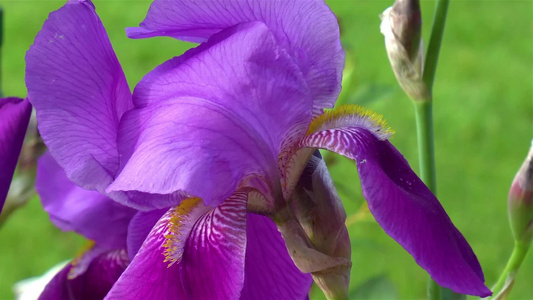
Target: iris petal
(401,203)
(214,119)
(94,283)
(89,213)
(270,272)
(307,29)
(78,88)
(140,226)
(14,117)
(193,252)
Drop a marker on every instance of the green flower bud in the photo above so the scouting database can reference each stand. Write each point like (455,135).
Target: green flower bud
(520,204)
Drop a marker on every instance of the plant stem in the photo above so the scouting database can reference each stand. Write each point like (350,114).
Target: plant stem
(435,41)
(506,280)
(426,153)
(424,116)
(426,156)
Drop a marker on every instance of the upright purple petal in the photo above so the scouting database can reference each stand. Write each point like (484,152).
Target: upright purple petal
(221,115)
(101,273)
(89,213)
(270,272)
(14,117)
(193,252)
(401,203)
(79,91)
(307,29)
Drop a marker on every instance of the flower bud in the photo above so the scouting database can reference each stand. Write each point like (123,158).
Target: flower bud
(401,25)
(520,204)
(321,215)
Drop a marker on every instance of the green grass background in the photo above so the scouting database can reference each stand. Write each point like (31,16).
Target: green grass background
(483,128)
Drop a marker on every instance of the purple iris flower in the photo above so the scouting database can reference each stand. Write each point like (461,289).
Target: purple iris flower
(212,144)
(14,118)
(96,217)
(106,222)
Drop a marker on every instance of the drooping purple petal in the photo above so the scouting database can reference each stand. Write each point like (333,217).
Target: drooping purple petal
(221,115)
(89,213)
(401,203)
(79,91)
(193,252)
(14,117)
(270,272)
(307,29)
(101,273)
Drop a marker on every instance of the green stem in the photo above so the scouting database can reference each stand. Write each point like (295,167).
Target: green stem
(435,41)
(426,156)
(424,116)
(504,284)
(426,153)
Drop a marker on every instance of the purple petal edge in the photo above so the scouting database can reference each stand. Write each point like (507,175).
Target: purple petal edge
(269,271)
(88,213)
(101,274)
(307,29)
(79,91)
(14,118)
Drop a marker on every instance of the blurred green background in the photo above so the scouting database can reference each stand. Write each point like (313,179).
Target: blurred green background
(483,125)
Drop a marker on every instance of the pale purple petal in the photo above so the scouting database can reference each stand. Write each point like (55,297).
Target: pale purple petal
(307,29)
(88,213)
(14,117)
(270,272)
(193,252)
(102,272)
(79,91)
(405,208)
(207,122)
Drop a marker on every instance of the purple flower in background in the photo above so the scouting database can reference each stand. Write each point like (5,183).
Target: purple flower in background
(212,144)
(92,215)
(14,117)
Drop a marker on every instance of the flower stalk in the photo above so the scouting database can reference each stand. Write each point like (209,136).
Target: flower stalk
(506,281)
(424,115)
(520,209)
(401,27)
(435,41)
(424,129)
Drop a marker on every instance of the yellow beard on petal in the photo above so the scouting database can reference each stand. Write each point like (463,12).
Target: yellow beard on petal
(175,224)
(335,118)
